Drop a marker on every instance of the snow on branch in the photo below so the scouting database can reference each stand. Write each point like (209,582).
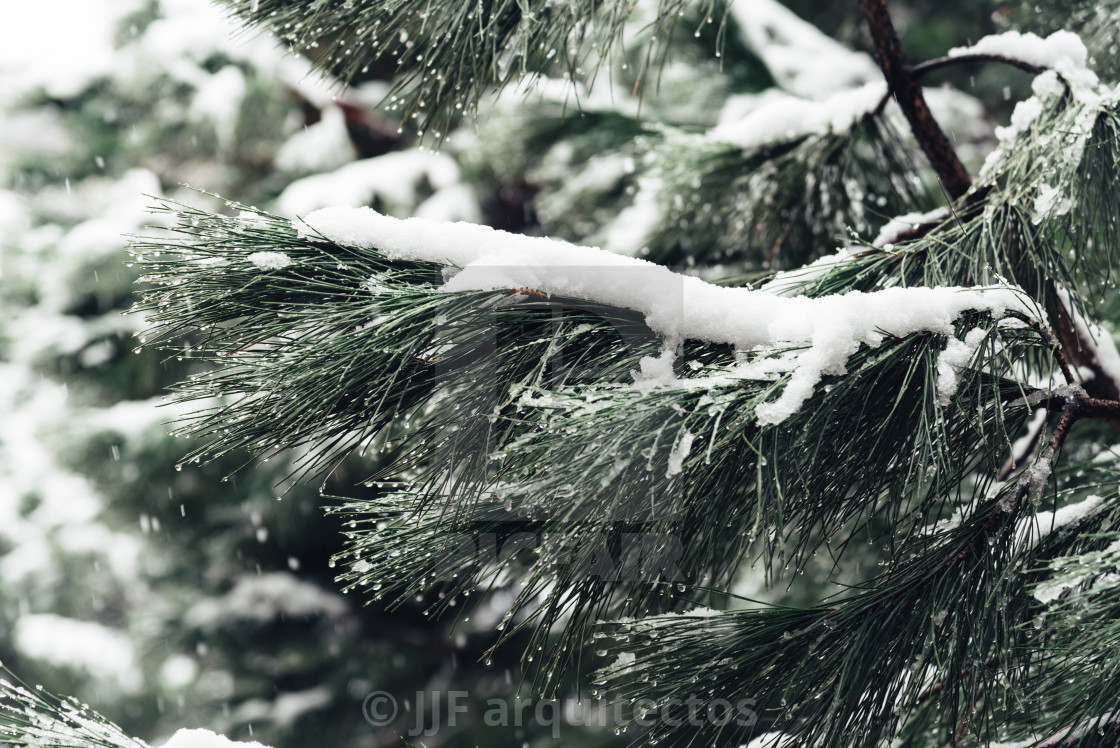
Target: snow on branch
(200,738)
(36,717)
(1103,358)
(1062,51)
(802,59)
(678,307)
(910,225)
(789,117)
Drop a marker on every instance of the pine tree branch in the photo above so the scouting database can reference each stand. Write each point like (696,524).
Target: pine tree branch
(447,55)
(964,719)
(1016,461)
(929,66)
(1072,413)
(1092,407)
(1087,407)
(1068,735)
(1074,410)
(1049,337)
(1100,386)
(36,717)
(941,685)
(908,93)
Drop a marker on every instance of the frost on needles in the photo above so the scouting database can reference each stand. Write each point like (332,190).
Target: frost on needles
(901,420)
(31,718)
(829,329)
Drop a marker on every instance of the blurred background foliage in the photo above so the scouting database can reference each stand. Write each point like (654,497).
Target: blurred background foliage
(170,596)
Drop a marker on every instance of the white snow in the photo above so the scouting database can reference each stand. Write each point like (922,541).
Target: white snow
(801,59)
(1048,592)
(623,662)
(1025,112)
(265,597)
(15,216)
(655,371)
(1029,440)
(1065,736)
(659,620)
(177,672)
(32,407)
(323,146)
(1075,136)
(1032,530)
(738,106)
(678,307)
(1047,84)
(772,740)
(573,95)
(1035,476)
(962,115)
(1093,336)
(953,360)
(77,49)
(679,453)
(1071,735)
(1062,51)
(252,218)
(1049,203)
(394,178)
(899,225)
(289,707)
(116,207)
(789,282)
(218,101)
(205,739)
(453,202)
(189,33)
(285,709)
(270,260)
(1074,571)
(790,117)
(91,40)
(1028,743)
(630,231)
(100,652)
(61,242)
(599,173)
(1048,390)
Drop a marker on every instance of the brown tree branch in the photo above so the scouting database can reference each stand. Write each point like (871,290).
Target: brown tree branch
(1016,461)
(908,93)
(938,63)
(1075,409)
(922,68)
(1051,339)
(1083,355)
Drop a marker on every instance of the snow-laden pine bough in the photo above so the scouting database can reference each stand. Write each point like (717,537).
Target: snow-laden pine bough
(510,386)
(507,384)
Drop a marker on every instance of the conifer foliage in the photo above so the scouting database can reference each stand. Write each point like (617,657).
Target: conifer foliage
(606,447)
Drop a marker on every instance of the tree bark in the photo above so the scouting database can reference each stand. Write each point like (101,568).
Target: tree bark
(907,91)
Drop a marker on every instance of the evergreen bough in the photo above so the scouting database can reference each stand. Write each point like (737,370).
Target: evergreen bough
(956,482)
